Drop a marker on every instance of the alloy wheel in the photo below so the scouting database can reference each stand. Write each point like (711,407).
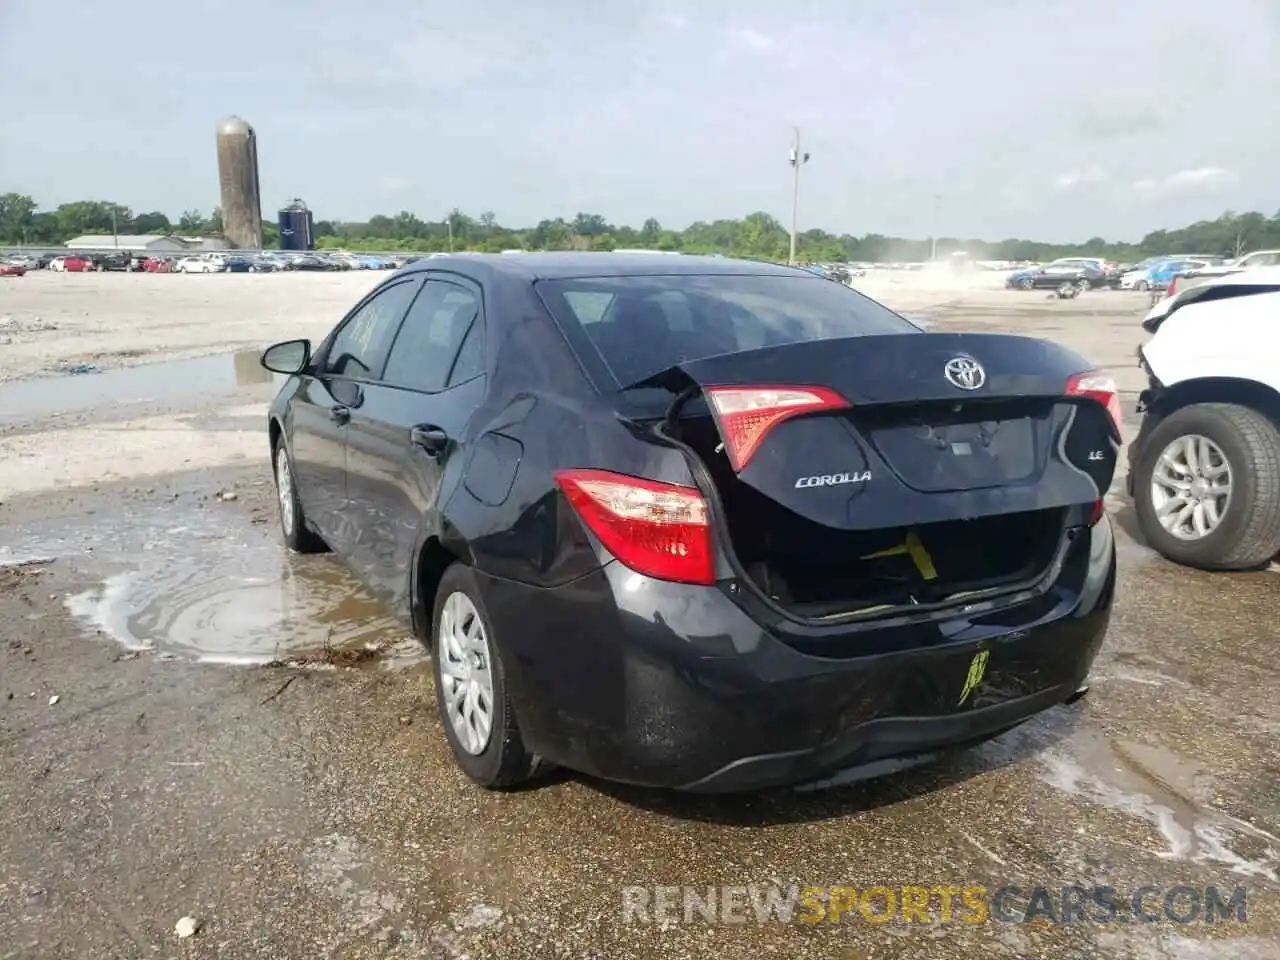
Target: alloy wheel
(1191,487)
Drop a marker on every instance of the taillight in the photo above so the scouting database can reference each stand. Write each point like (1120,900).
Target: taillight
(745,415)
(1095,514)
(1099,387)
(659,529)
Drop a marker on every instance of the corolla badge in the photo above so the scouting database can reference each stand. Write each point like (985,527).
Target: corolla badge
(834,479)
(965,373)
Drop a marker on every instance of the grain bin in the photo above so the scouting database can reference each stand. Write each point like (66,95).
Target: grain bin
(297,229)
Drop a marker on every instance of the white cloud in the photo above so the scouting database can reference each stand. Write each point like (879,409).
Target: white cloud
(1076,178)
(1184,180)
(752,39)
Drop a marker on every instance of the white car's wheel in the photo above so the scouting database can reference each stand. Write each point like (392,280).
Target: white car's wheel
(1206,487)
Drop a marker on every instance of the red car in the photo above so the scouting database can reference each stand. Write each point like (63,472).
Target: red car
(8,269)
(158,265)
(78,264)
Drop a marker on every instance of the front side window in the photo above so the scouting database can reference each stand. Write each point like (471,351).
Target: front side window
(439,343)
(361,343)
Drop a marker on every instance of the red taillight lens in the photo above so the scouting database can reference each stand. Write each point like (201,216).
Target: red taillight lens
(1097,387)
(659,529)
(1173,287)
(745,415)
(1096,513)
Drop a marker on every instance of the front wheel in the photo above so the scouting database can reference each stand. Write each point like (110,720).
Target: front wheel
(1026,283)
(479,722)
(298,537)
(1142,286)
(1207,487)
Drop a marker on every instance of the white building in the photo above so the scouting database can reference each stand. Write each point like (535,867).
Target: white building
(147,243)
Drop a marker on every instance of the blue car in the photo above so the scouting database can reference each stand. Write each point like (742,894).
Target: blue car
(1161,275)
(238,265)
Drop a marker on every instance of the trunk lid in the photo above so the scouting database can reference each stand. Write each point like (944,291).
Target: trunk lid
(937,426)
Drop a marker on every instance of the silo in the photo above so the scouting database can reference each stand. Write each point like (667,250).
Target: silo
(297,229)
(238,175)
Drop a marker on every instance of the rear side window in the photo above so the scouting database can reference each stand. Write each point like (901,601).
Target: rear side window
(439,344)
(642,325)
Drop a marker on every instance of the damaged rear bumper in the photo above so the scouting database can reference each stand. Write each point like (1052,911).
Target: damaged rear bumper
(667,685)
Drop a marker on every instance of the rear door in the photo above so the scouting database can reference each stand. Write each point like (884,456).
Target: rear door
(323,405)
(410,427)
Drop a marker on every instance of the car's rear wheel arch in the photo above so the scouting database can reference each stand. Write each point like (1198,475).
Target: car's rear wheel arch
(433,559)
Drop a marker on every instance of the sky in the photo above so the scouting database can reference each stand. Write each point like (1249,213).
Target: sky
(1038,119)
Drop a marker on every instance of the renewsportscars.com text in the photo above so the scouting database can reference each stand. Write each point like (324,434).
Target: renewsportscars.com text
(776,903)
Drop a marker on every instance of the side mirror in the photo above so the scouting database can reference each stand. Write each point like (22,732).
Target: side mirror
(289,358)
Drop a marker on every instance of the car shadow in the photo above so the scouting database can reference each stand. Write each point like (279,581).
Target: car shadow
(814,803)
(1126,518)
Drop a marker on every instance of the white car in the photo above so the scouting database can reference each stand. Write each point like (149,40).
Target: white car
(1204,470)
(1134,280)
(57,265)
(200,265)
(1250,261)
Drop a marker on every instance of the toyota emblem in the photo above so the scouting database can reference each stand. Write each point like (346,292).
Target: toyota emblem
(965,373)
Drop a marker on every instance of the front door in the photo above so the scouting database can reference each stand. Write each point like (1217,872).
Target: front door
(346,364)
(410,425)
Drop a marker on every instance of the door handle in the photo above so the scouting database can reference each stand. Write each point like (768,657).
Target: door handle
(431,439)
(339,414)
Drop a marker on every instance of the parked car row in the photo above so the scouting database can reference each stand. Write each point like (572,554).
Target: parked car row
(268,261)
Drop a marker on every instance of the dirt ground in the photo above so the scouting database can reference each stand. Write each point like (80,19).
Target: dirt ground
(185,730)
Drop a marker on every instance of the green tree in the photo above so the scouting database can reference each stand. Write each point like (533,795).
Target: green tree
(17,217)
(153,222)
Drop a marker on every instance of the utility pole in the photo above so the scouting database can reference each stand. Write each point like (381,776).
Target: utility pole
(798,160)
(937,225)
(115,230)
(448,222)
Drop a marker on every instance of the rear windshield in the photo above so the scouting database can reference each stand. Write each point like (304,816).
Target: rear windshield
(642,325)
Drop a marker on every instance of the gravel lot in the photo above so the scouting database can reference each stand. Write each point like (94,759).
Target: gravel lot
(185,730)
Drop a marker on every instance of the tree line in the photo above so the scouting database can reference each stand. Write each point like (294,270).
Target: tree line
(758,235)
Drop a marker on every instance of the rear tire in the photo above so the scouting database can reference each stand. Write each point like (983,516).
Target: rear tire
(1026,283)
(1142,286)
(468,669)
(1247,533)
(298,537)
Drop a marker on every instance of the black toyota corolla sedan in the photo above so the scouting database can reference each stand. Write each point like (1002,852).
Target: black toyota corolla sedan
(702,523)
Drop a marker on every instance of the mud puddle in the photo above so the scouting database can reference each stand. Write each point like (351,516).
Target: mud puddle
(151,382)
(190,579)
(1174,795)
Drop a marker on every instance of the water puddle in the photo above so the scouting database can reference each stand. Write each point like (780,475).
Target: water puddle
(1171,793)
(151,382)
(185,580)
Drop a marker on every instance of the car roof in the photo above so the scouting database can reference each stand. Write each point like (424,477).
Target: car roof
(570,265)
